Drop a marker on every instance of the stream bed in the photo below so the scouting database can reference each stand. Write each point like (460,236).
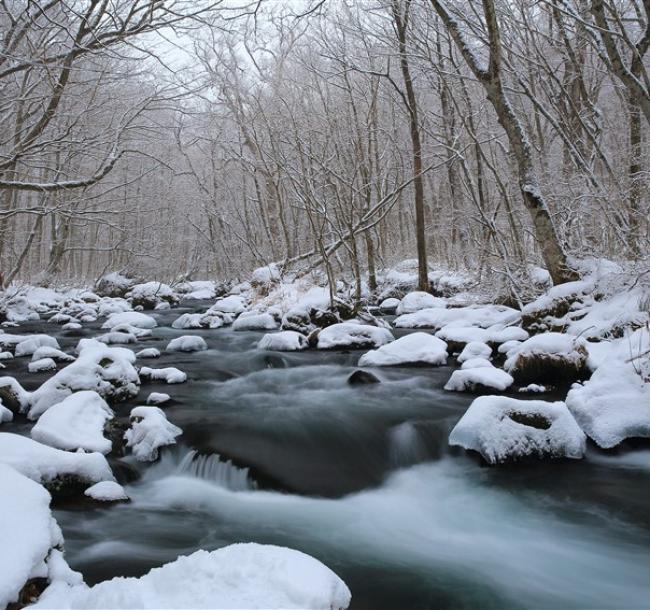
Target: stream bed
(278,448)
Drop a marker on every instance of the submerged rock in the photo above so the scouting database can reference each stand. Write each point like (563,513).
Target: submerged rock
(362,378)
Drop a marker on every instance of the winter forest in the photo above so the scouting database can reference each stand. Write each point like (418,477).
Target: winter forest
(324,304)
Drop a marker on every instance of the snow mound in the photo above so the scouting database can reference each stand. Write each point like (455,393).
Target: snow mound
(152,294)
(475,349)
(117,338)
(132,318)
(255,321)
(188,320)
(283,341)
(109,371)
(234,304)
(28,346)
(44,464)
(106,491)
(169,374)
(51,352)
(481,316)
(29,535)
(75,423)
(43,364)
(355,336)
(551,357)
(416,348)
(113,285)
(503,429)
(149,352)
(389,305)
(415,301)
(480,376)
(251,576)
(149,431)
(187,343)
(458,336)
(614,404)
(158,398)
(263,276)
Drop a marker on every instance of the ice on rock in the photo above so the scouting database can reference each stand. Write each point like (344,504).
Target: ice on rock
(43,364)
(416,348)
(480,377)
(251,576)
(149,431)
(548,357)
(169,374)
(355,336)
(475,349)
(234,304)
(614,404)
(187,343)
(149,352)
(108,371)
(283,341)
(158,398)
(106,491)
(29,536)
(44,464)
(503,429)
(75,423)
(132,318)
(415,301)
(255,321)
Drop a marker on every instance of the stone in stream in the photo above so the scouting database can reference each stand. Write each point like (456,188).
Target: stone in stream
(360,377)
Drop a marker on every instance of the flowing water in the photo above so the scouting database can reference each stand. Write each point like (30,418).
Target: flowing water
(278,448)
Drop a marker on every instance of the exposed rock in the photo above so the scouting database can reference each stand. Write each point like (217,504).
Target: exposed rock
(360,377)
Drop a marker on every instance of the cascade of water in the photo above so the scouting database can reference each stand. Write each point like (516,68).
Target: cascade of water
(406,446)
(212,468)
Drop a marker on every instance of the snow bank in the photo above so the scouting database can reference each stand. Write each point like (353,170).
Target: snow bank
(169,374)
(187,343)
(251,576)
(283,341)
(149,431)
(255,321)
(416,348)
(503,429)
(75,423)
(44,464)
(355,336)
(415,301)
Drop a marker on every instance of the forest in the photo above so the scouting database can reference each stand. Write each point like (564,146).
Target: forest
(324,304)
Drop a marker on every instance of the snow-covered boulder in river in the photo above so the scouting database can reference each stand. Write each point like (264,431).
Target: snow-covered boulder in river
(106,491)
(415,301)
(75,423)
(113,285)
(233,304)
(353,336)
(187,343)
(505,429)
(149,431)
(413,349)
(132,318)
(151,294)
(251,576)
(475,349)
(255,321)
(478,375)
(169,374)
(283,341)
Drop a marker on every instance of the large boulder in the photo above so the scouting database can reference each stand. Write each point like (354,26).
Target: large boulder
(113,285)
(152,294)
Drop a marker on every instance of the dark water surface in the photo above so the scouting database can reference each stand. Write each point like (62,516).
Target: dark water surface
(361,478)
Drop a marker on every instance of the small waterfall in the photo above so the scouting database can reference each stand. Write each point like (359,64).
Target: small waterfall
(212,468)
(406,446)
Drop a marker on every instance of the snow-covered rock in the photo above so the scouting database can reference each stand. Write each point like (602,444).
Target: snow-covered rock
(255,321)
(113,285)
(187,343)
(29,345)
(117,338)
(149,352)
(6,356)
(45,464)
(554,304)
(149,431)
(43,364)
(614,404)
(46,351)
(459,336)
(109,371)
(547,357)
(482,316)
(481,377)
(264,276)
(13,395)
(476,363)
(132,318)
(106,491)
(29,536)
(283,341)
(72,326)
(189,320)
(151,294)
(158,398)
(353,336)
(415,301)
(5,414)
(389,305)
(503,429)
(251,576)
(75,423)
(234,304)
(169,374)
(475,349)
(416,348)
